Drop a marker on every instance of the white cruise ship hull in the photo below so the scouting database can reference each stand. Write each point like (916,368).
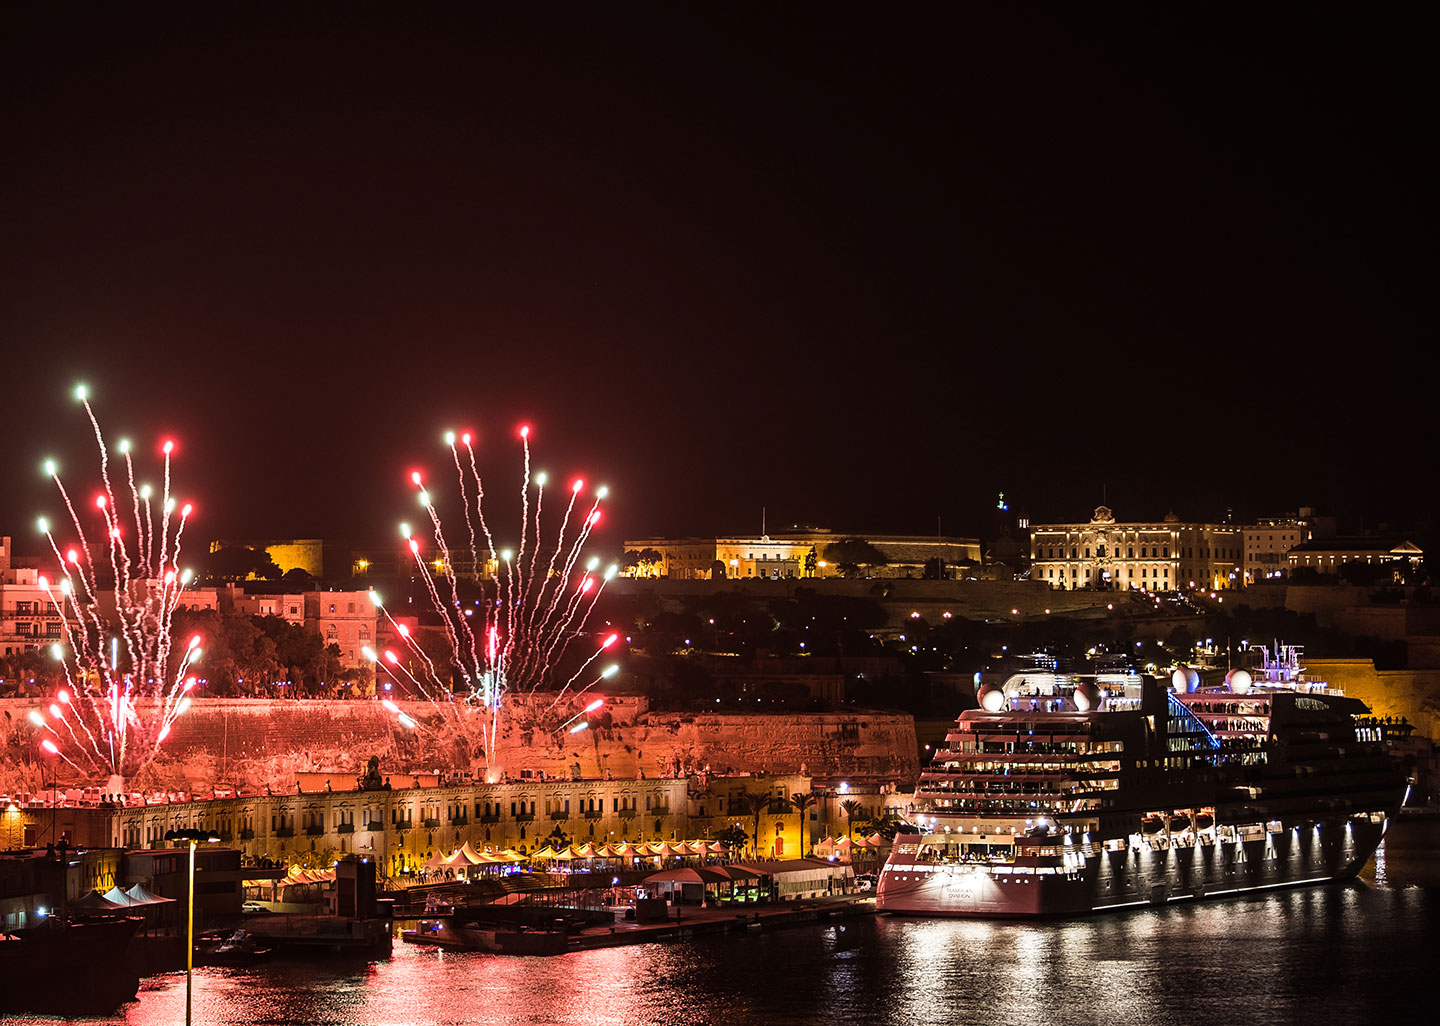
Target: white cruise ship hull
(1335,849)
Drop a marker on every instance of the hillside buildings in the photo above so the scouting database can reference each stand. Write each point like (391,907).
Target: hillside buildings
(795,554)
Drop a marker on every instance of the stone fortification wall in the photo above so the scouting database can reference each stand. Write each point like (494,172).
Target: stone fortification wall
(869,745)
(898,596)
(1413,694)
(253,743)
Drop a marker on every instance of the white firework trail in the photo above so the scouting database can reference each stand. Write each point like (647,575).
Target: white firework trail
(537,603)
(119,594)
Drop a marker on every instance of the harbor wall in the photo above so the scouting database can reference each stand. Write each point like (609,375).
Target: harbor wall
(257,743)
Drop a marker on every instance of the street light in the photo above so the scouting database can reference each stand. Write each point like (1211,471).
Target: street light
(193,837)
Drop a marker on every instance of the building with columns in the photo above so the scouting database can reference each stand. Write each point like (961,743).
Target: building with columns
(796,554)
(400,826)
(1104,553)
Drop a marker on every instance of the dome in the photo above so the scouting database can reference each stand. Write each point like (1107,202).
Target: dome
(1185,679)
(1239,681)
(992,698)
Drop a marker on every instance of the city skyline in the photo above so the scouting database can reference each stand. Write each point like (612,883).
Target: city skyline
(863,276)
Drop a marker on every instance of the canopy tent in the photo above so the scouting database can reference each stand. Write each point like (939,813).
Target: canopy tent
(94,901)
(140,896)
(739,874)
(585,851)
(469,854)
(716,848)
(626,850)
(688,875)
(546,852)
(876,841)
(606,851)
(664,850)
(439,861)
(119,897)
(688,883)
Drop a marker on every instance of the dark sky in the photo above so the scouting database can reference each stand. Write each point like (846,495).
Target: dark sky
(861,268)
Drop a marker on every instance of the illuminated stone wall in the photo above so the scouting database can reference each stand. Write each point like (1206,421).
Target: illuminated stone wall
(253,743)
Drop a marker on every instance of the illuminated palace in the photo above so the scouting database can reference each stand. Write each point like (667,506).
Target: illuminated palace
(1159,556)
(401,826)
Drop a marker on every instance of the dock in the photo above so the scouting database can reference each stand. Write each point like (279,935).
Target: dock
(692,921)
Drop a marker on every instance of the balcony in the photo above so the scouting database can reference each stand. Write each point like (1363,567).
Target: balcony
(345,828)
(460,821)
(285,831)
(430,823)
(247,835)
(626,813)
(225,836)
(314,830)
(559,814)
(490,817)
(594,813)
(525,817)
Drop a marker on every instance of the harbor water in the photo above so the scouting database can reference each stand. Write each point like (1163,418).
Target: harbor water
(1357,953)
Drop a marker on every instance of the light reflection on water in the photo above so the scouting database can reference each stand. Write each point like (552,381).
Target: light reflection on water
(1356,953)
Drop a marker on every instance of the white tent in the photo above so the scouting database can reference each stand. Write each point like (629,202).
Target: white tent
(140,896)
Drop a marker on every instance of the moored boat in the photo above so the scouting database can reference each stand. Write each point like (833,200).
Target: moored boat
(1066,794)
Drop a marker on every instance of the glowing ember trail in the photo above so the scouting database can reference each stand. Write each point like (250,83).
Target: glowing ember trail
(124,687)
(537,599)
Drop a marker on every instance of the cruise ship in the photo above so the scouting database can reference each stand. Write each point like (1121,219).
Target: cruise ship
(1070,794)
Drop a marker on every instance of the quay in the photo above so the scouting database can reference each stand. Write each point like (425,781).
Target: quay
(449,930)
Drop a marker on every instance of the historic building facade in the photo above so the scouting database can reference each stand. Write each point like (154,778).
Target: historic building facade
(400,827)
(1164,556)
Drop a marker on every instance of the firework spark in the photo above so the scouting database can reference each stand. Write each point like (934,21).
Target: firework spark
(124,685)
(537,601)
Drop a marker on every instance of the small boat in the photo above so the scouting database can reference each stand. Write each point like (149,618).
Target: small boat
(239,949)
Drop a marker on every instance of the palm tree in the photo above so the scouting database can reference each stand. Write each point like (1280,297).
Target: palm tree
(851,808)
(757,805)
(802,802)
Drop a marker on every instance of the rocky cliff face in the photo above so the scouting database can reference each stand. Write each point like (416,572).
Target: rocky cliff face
(222,742)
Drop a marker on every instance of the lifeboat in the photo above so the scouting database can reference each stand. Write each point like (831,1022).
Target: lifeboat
(1178,824)
(1152,824)
(1204,821)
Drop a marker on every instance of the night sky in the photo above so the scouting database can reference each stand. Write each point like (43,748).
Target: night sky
(862,269)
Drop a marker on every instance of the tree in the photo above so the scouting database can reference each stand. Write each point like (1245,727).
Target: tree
(643,562)
(298,578)
(239,563)
(802,802)
(757,804)
(852,808)
(850,554)
(732,836)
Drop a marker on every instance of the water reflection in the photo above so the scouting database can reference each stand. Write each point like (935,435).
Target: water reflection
(1339,954)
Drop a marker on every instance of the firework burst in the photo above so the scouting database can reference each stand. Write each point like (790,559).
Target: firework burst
(538,597)
(116,593)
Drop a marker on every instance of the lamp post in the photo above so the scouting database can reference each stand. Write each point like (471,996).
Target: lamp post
(192,837)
